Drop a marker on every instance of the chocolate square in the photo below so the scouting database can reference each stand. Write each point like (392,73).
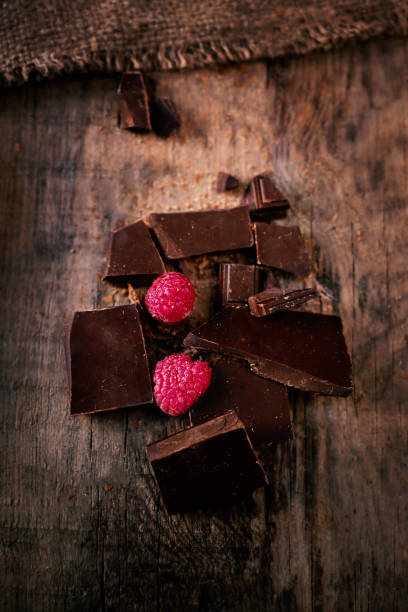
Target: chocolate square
(262,193)
(281,246)
(211,464)
(132,256)
(297,349)
(134,102)
(183,234)
(261,404)
(107,361)
(238,282)
(226,182)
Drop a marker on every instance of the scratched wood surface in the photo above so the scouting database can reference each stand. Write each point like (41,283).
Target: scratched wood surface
(82,527)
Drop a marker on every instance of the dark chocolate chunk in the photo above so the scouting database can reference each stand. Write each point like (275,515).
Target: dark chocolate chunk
(107,362)
(164,117)
(272,300)
(297,349)
(132,256)
(261,404)
(184,234)
(261,192)
(238,282)
(281,246)
(134,102)
(208,465)
(225,182)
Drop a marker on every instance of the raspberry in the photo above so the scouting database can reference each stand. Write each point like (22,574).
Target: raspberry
(171,298)
(179,382)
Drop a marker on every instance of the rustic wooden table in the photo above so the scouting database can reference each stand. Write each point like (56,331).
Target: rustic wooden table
(82,527)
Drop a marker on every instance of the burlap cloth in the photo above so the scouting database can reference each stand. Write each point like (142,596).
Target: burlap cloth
(41,38)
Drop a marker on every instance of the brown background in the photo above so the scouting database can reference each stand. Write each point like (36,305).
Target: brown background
(82,525)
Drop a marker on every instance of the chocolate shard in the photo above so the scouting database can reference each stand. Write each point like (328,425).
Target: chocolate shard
(211,464)
(132,257)
(164,117)
(261,192)
(184,234)
(274,299)
(107,361)
(238,282)
(261,404)
(134,102)
(297,349)
(225,182)
(281,246)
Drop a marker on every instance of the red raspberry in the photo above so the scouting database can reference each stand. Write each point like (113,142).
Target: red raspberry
(171,298)
(179,382)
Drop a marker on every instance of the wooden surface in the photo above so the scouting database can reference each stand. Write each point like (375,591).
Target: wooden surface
(82,525)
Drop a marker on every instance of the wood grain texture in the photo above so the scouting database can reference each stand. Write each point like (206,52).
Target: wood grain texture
(82,527)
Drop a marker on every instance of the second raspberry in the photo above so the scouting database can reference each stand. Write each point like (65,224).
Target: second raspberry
(171,298)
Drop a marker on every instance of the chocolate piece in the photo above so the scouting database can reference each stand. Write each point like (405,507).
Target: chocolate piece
(107,362)
(238,282)
(132,256)
(272,300)
(281,246)
(225,182)
(164,117)
(134,102)
(208,465)
(184,234)
(261,404)
(261,192)
(297,349)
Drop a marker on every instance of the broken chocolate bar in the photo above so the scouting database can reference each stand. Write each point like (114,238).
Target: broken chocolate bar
(297,349)
(132,257)
(281,246)
(208,465)
(238,282)
(164,117)
(107,362)
(261,404)
(225,182)
(183,234)
(271,300)
(134,102)
(261,192)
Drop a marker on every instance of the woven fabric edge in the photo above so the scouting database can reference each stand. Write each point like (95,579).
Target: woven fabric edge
(204,54)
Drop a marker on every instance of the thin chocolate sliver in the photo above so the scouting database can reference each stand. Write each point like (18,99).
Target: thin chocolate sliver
(281,246)
(261,193)
(208,465)
(184,234)
(238,282)
(261,404)
(132,257)
(226,182)
(164,117)
(297,349)
(107,361)
(134,102)
(274,299)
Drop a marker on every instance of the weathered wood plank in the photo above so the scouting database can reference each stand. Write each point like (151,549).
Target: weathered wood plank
(341,147)
(81,523)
